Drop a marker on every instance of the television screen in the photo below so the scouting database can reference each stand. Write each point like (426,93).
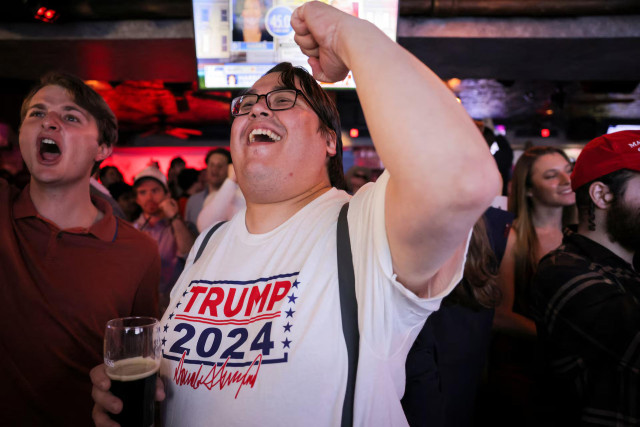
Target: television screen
(237,41)
(619,127)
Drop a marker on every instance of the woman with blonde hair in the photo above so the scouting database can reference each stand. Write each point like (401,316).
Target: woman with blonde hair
(543,204)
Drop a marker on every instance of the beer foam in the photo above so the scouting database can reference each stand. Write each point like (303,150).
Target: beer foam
(133,369)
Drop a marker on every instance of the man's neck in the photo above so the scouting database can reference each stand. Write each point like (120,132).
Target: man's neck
(213,188)
(67,206)
(264,217)
(601,237)
(152,219)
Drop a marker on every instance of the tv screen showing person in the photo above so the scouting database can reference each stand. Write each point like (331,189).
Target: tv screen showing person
(248,21)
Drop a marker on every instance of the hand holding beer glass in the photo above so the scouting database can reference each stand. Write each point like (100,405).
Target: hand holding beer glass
(132,359)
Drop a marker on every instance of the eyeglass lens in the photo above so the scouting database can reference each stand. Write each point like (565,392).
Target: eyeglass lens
(276,100)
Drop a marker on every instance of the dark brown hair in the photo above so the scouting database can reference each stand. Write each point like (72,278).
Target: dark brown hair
(526,245)
(324,107)
(221,151)
(86,98)
(617,183)
(479,287)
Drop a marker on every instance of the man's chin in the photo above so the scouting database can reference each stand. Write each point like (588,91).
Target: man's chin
(623,226)
(151,210)
(627,242)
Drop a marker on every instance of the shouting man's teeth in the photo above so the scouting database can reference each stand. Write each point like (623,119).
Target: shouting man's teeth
(49,149)
(263,135)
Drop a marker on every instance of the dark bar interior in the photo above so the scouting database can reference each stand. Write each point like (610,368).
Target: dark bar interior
(465,287)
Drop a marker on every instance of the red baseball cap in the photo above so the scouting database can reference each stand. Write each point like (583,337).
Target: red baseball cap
(606,154)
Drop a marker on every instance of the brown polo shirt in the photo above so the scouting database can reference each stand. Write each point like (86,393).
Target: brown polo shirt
(58,288)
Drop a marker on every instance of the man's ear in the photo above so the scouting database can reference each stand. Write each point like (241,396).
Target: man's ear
(600,195)
(104,151)
(332,142)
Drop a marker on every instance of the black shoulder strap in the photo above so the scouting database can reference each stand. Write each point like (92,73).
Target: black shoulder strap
(349,310)
(206,240)
(348,306)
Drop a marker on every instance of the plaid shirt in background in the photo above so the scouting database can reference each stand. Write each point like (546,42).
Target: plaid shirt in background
(586,303)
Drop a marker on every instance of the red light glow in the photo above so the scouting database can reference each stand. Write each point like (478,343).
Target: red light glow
(354,133)
(46,15)
(131,160)
(545,133)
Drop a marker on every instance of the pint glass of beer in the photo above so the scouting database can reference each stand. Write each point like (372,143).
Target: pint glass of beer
(132,356)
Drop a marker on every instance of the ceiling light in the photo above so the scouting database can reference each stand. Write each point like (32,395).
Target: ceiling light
(43,10)
(453,83)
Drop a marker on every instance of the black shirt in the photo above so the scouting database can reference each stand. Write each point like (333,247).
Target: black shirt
(586,306)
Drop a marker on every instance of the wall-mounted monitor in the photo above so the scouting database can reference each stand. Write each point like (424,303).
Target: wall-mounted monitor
(237,41)
(621,127)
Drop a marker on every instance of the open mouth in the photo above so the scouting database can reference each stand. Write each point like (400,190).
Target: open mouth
(49,150)
(263,135)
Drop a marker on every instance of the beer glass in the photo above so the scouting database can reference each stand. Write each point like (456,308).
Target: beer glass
(132,356)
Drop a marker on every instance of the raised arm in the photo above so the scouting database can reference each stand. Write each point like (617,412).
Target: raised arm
(442,174)
(184,237)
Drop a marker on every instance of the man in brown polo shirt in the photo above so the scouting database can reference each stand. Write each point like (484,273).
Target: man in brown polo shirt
(67,265)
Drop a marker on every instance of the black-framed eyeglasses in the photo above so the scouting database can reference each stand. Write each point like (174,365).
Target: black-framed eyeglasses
(277,100)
